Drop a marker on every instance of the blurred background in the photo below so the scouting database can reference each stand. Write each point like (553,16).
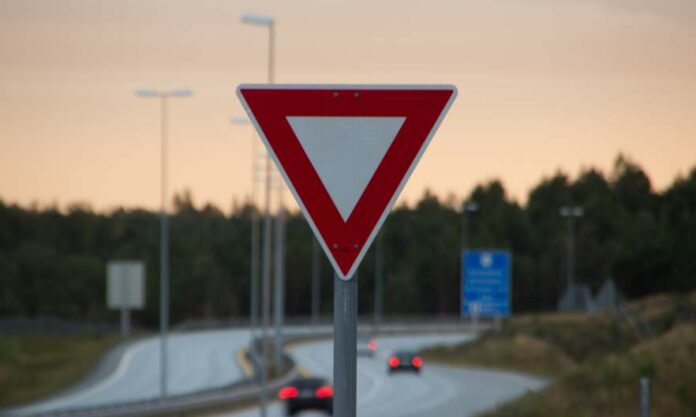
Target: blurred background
(571,146)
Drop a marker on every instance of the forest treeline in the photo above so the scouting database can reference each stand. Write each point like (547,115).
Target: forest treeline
(53,262)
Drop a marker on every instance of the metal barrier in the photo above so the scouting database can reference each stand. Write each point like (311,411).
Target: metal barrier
(246,389)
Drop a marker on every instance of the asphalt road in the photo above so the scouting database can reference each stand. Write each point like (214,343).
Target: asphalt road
(437,391)
(197,361)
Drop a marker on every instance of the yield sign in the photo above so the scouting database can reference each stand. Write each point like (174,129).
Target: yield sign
(346,151)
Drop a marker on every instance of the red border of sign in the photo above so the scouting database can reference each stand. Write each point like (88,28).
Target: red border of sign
(424,107)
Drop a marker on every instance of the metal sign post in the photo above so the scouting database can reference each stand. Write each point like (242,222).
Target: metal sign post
(125,289)
(346,152)
(345,341)
(645,397)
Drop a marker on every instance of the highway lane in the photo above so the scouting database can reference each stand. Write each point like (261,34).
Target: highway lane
(438,391)
(197,361)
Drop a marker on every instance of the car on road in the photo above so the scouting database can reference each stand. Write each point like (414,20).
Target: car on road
(307,394)
(404,361)
(367,346)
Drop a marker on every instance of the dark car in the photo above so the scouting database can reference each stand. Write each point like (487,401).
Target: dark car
(404,361)
(307,394)
(367,346)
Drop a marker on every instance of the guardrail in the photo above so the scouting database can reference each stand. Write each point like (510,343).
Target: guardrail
(246,389)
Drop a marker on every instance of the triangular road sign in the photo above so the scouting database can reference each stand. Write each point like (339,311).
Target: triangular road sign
(346,152)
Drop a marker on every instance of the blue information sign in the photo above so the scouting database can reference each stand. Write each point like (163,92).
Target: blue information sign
(485,283)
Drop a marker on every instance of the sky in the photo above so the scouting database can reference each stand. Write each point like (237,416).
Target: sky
(544,85)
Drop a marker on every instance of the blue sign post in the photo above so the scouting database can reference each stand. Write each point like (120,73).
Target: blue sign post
(485,283)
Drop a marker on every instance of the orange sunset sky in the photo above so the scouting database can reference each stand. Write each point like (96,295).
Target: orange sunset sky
(543,85)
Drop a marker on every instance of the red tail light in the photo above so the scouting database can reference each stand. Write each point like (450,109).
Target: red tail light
(325,391)
(394,361)
(417,362)
(372,345)
(287,392)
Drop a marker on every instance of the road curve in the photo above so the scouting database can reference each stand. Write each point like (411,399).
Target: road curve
(439,391)
(197,361)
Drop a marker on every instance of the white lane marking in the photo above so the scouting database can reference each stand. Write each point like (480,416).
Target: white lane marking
(378,382)
(99,386)
(446,392)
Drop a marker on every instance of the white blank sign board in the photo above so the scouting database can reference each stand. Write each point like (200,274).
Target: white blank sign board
(125,285)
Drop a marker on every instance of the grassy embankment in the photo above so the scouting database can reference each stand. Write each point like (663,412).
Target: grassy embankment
(596,363)
(33,366)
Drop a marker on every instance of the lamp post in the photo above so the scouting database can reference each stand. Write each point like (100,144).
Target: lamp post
(265,21)
(468,207)
(570,213)
(164,96)
(279,277)
(254,261)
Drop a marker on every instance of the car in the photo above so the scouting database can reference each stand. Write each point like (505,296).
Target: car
(367,346)
(307,394)
(404,361)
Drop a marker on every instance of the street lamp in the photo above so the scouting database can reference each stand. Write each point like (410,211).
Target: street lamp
(266,21)
(571,213)
(467,208)
(164,96)
(254,261)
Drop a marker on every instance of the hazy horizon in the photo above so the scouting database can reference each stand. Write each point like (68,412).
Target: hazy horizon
(543,86)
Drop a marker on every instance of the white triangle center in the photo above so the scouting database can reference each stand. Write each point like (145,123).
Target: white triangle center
(345,152)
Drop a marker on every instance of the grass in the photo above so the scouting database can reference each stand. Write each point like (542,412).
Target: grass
(33,366)
(610,388)
(520,352)
(596,362)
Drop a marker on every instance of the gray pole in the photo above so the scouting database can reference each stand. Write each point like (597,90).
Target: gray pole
(271,52)
(266,267)
(462,248)
(645,397)
(164,255)
(316,284)
(571,251)
(379,279)
(467,208)
(345,339)
(125,322)
(266,301)
(465,228)
(279,284)
(254,276)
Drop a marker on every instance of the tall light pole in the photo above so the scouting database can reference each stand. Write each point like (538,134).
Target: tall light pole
(164,96)
(570,213)
(268,22)
(468,207)
(254,261)
(279,277)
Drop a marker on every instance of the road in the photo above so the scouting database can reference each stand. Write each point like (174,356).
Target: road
(438,391)
(197,361)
